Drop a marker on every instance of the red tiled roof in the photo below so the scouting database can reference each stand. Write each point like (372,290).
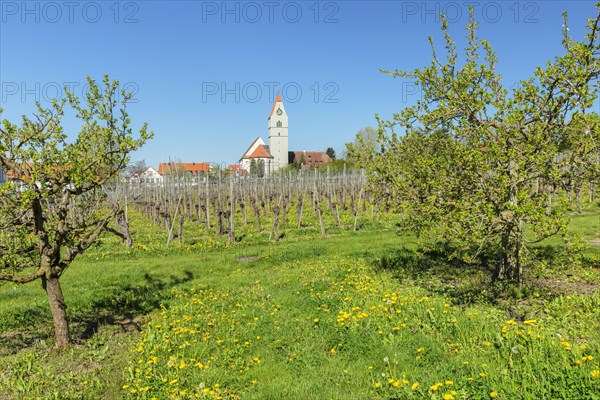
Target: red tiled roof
(249,147)
(10,175)
(311,158)
(259,152)
(277,100)
(23,171)
(22,174)
(174,168)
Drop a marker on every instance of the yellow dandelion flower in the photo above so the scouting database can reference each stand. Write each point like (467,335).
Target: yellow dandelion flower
(415,386)
(436,386)
(493,394)
(448,396)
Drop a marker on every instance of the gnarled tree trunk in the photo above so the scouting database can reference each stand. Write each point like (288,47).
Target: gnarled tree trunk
(509,266)
(124,228)
(59,310)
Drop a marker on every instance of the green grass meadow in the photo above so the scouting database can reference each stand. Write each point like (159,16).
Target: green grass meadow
(353,315)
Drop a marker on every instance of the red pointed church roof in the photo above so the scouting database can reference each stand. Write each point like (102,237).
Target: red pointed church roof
(259,152)
(277,100)
(249,147)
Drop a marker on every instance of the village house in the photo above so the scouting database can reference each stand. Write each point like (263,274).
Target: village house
(183,169)
(234,170)
(149,175)
(20,177)
(309,159)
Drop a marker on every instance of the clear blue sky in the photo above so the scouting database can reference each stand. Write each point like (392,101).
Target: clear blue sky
(205,72)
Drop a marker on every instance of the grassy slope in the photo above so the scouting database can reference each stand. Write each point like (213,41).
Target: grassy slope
(107,296)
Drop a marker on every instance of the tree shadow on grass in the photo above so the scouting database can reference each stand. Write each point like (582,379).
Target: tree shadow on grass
(124,307)
(439,272)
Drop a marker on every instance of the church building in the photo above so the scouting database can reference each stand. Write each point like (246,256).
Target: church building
(269,158)
(274,155)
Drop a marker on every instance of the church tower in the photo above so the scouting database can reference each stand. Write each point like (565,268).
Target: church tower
(278,134)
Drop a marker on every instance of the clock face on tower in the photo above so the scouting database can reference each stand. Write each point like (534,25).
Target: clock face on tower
(279,112)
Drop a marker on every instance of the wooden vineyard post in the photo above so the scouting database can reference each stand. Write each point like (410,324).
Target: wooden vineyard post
(232,212)
(318,206)
(180,232)
(199,205)
(207,209)
(170,237)
(276,210)
(254,203)
(357,209)
(337,215)
(299,208)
